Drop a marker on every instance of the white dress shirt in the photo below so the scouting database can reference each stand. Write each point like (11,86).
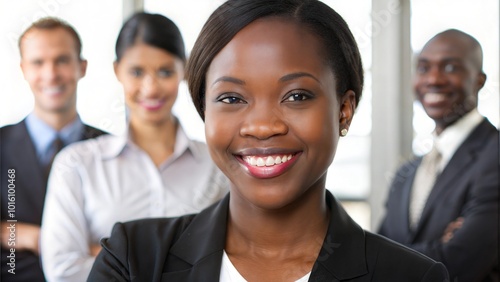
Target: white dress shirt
(445,144)
(454,135)
(97,182)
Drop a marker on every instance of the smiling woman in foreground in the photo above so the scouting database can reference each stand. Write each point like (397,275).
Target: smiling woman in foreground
(277,83)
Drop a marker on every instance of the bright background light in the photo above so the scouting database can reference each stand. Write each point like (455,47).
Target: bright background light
(100,97)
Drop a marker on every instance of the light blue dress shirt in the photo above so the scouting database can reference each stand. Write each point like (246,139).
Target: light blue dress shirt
(43,136)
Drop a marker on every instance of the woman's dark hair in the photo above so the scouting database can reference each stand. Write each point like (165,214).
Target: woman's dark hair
(152,29)
(339,44)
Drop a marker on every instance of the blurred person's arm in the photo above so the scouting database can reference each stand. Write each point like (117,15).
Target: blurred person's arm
(112,263)
(27,236)
(66,247)
(451,228)
(95,249)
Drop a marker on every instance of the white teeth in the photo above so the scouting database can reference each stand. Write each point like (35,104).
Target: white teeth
(277,160)
(434,97)
(151,103)
(52,90)
(266,161)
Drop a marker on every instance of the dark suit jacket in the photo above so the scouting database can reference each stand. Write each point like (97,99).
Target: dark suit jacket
(17,152)
(190,248)
(467,187)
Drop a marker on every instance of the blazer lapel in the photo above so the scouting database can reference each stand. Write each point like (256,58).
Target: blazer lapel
(342,256)
(404,223)
(26,159)
(202,245)
(24,148)
(203,241)
(18,152)
(463,158)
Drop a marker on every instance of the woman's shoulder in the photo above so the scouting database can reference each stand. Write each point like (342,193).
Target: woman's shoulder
(199,148)
(150,235)
(152,230)
(92,148)
(388,259)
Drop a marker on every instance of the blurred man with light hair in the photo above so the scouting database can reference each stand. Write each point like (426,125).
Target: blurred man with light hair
(52,65)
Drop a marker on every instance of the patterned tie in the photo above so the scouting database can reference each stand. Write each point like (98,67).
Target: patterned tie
(425,178)
(57,144)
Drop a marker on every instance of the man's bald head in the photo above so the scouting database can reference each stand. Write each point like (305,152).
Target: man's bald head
(449,76)
(471,47)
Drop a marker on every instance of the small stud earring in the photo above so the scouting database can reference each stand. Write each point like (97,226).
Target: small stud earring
(343,132)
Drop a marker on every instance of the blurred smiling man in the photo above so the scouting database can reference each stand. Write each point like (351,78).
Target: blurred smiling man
(445,205)
(52,65)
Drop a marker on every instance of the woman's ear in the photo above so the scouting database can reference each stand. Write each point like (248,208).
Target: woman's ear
(346,113)
(115,68)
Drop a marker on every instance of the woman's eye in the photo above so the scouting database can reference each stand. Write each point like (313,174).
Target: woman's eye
(165,73)
(230,100)
(297,97)
(136,72)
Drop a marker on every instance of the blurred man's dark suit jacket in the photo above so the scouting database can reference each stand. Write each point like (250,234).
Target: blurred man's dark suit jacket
(17,151)
(467,187)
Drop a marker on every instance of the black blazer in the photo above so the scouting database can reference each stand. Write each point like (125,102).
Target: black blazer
(467,187)
(17,152)
(190,248)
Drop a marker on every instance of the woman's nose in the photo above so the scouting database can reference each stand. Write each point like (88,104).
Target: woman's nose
(263,123)
(149,85)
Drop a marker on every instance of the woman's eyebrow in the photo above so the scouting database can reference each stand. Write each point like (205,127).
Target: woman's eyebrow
(284,78)
(229,79)
(296,75)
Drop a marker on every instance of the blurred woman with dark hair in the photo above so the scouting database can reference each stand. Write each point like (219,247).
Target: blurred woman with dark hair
(153,171)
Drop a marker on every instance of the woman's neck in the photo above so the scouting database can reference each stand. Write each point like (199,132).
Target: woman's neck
(156,139)
(281,244)
(280,230)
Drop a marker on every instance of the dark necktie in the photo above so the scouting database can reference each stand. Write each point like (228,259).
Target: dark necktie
(57,144)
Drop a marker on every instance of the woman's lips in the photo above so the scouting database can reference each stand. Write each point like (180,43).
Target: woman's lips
(268,166)
(152,104)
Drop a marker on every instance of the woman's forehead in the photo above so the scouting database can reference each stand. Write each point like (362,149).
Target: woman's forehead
(272,39)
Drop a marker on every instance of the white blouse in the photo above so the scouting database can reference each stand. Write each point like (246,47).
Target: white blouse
(229,273)
(98,182)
